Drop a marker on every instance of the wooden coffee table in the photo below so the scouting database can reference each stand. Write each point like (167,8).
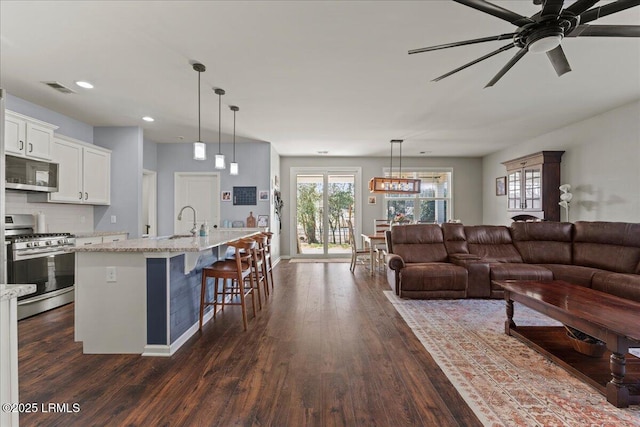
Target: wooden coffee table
(611,319)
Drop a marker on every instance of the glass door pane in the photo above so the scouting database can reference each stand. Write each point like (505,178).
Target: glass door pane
(309,209)
(341,197)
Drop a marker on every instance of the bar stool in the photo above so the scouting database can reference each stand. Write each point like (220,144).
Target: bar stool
(235,271)
(260,263)
(267,256)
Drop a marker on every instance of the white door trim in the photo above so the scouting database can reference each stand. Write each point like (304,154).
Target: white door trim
(293,193)
(153,202)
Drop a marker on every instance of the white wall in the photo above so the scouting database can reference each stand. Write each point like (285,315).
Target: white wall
(601,162)
(274,224)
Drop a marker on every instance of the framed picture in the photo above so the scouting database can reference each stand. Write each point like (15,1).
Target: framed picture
(501,186)
(372,200)
(263,196)
(263,220)
(225,196)
(244,196)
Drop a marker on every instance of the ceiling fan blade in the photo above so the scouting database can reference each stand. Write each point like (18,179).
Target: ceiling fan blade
(507,67)
(552,8)
(607,9)
(605,31)
(580,6)
(559,60)
(482,58)
(497,11)
(462,43)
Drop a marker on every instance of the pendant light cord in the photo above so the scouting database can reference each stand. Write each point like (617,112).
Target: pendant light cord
(199,137)
(234,136)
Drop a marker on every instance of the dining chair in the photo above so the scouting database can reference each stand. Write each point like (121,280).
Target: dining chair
(356,253)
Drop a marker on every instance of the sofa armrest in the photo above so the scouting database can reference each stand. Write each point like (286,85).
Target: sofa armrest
(395,262)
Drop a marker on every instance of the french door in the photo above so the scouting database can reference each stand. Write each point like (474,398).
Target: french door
(325,199)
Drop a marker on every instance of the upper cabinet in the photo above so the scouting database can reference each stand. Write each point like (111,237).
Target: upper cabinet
(532,185)
(84,172)
(25,136)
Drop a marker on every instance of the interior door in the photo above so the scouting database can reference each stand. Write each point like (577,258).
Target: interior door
(149,203)
(200,191)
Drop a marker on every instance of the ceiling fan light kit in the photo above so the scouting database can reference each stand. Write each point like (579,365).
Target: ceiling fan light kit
(544,31)
(394,185)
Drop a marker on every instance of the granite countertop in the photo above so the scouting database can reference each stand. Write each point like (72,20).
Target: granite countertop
(98,233)
(167,244)
(15,291)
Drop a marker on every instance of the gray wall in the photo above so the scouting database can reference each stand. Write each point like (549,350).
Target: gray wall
(253,159)
(150,155)
(600,162)
(126,179)
(66,125)
(467,186)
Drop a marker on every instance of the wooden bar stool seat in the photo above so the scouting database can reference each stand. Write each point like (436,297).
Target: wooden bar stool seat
(233,272)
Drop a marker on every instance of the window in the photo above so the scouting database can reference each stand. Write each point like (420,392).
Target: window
(431,205)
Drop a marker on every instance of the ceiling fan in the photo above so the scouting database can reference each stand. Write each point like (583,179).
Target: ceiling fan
(544,31)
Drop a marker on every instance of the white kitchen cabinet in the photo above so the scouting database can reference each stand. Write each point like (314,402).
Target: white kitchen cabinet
(84,172)
(28,137)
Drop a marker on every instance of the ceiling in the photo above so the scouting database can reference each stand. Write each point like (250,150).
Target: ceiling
(308,76)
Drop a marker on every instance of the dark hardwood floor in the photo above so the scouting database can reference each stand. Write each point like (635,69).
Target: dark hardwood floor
(327,349)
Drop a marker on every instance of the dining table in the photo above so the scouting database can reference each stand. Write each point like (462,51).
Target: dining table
(371,241)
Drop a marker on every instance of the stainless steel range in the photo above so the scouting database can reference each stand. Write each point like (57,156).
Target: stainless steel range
(40,259)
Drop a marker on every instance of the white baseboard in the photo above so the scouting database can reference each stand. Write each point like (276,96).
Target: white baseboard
(168,350)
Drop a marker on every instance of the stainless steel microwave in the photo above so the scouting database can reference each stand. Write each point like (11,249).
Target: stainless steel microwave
(33,175)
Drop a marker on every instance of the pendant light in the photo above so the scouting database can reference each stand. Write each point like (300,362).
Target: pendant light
(199,147)
(233,166)
(391,185)
(219,162)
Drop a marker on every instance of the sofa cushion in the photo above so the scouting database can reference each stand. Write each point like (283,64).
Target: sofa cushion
(455,239)
(519,271)
(613,246)
(543,242)
(419,243)
(623,285)
(573,273)
(433,280)
(492,242)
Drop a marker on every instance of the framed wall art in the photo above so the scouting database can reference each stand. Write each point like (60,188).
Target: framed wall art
(501,186)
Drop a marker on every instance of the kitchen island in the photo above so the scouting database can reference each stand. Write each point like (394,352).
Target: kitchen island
(142,296)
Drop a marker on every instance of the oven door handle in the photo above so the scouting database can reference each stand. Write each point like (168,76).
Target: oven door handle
(39,253)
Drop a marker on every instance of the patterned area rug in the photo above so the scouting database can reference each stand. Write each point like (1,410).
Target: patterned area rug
(505,382)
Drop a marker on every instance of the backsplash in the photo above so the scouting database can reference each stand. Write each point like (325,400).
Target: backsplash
(59,217)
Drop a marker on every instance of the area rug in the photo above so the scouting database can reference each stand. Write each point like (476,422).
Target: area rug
(503,381)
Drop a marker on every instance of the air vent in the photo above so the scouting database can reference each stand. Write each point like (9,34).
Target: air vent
(59,87)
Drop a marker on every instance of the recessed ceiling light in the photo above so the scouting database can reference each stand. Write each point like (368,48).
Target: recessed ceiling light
(84,84)
(323,152)
(148,119)
(425,152)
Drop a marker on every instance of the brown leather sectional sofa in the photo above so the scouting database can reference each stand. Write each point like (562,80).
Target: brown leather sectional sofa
(458,261)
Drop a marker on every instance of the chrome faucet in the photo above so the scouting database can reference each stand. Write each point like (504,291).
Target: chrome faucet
(194,230)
